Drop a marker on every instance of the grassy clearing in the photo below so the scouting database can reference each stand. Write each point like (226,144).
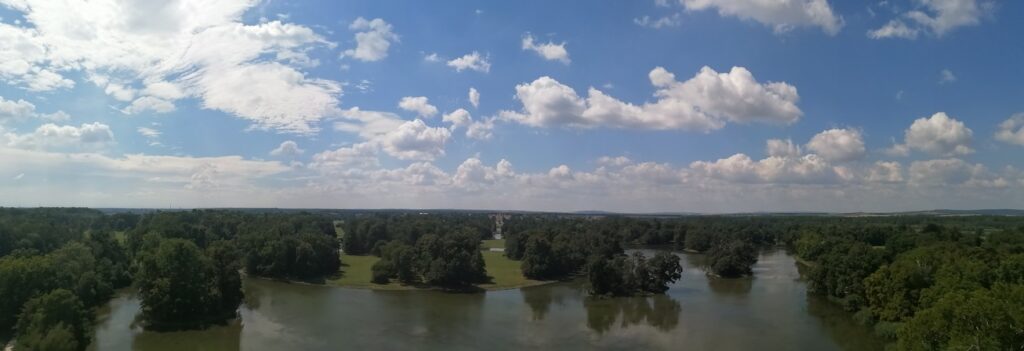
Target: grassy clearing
(356,273)
(493,244)
(505,273)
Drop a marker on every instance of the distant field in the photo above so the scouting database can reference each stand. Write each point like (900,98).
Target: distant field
(505,272)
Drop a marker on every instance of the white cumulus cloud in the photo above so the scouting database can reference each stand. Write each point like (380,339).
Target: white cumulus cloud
(781,15)
(287,148)
(705,102)
(935,17)
(419,104)
(938,135)
(838,145)
(173,49)
(373,39)
(53,136)
(1012,130)
(549,51)
(471,61)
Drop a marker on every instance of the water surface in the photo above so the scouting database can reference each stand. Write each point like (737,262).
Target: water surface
(770,311)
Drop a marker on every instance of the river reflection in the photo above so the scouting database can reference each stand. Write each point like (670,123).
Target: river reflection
(770,311)
(659,311)
(731,287)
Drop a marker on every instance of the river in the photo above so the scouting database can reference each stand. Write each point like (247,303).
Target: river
(770,311)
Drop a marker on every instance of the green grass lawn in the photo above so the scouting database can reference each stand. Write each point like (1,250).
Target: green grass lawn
(356,273)
(505,273)
(493,243)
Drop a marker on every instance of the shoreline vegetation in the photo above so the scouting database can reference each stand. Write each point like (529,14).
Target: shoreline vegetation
(905,276)
(504,273)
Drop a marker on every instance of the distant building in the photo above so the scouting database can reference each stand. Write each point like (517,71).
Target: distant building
(499,221)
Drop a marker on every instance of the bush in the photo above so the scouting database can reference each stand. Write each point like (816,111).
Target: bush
(382,272)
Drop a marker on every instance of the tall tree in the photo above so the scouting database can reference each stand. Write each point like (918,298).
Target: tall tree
(56,321)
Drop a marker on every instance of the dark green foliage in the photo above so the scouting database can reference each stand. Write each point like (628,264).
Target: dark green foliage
(699,239)
(623,275)
(933,282)
(364,231)
(841,275)
(665,269)
(452,260)
(55,321)
(731,259)
(181,289)
(561,254)
(72,267)
(382,272)
(539,260)
(402,258)
(302,247)
(226,262)
(43,230)
(515,245)
(21,278)
(607,276)
(982,319)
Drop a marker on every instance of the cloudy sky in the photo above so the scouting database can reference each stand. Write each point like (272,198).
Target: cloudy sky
(639,106)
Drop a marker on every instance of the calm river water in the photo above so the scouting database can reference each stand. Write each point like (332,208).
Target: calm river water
(770,311)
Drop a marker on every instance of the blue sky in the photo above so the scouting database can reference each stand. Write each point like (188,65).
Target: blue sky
(672,105)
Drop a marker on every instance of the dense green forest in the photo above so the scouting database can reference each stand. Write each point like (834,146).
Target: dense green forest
(926,282)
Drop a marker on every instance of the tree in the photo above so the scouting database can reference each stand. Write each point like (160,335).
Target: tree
(842,269)
(452,260)
(699,239)
(180,288)
(665,269)
(606,276)
(731,259)
(982,319)
(402,260)
(539,261)
(21,278)
(623,275)
(382,271)
(55,321)
(226,264)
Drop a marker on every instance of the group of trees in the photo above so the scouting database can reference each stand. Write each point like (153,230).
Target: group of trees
(57,265)
(183,287)
(555,249)
(929,282)
(623,275)
(366,233)
(561,252)
(188,263)
(958,285)
(301,247)
(731,258)
(452,261)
